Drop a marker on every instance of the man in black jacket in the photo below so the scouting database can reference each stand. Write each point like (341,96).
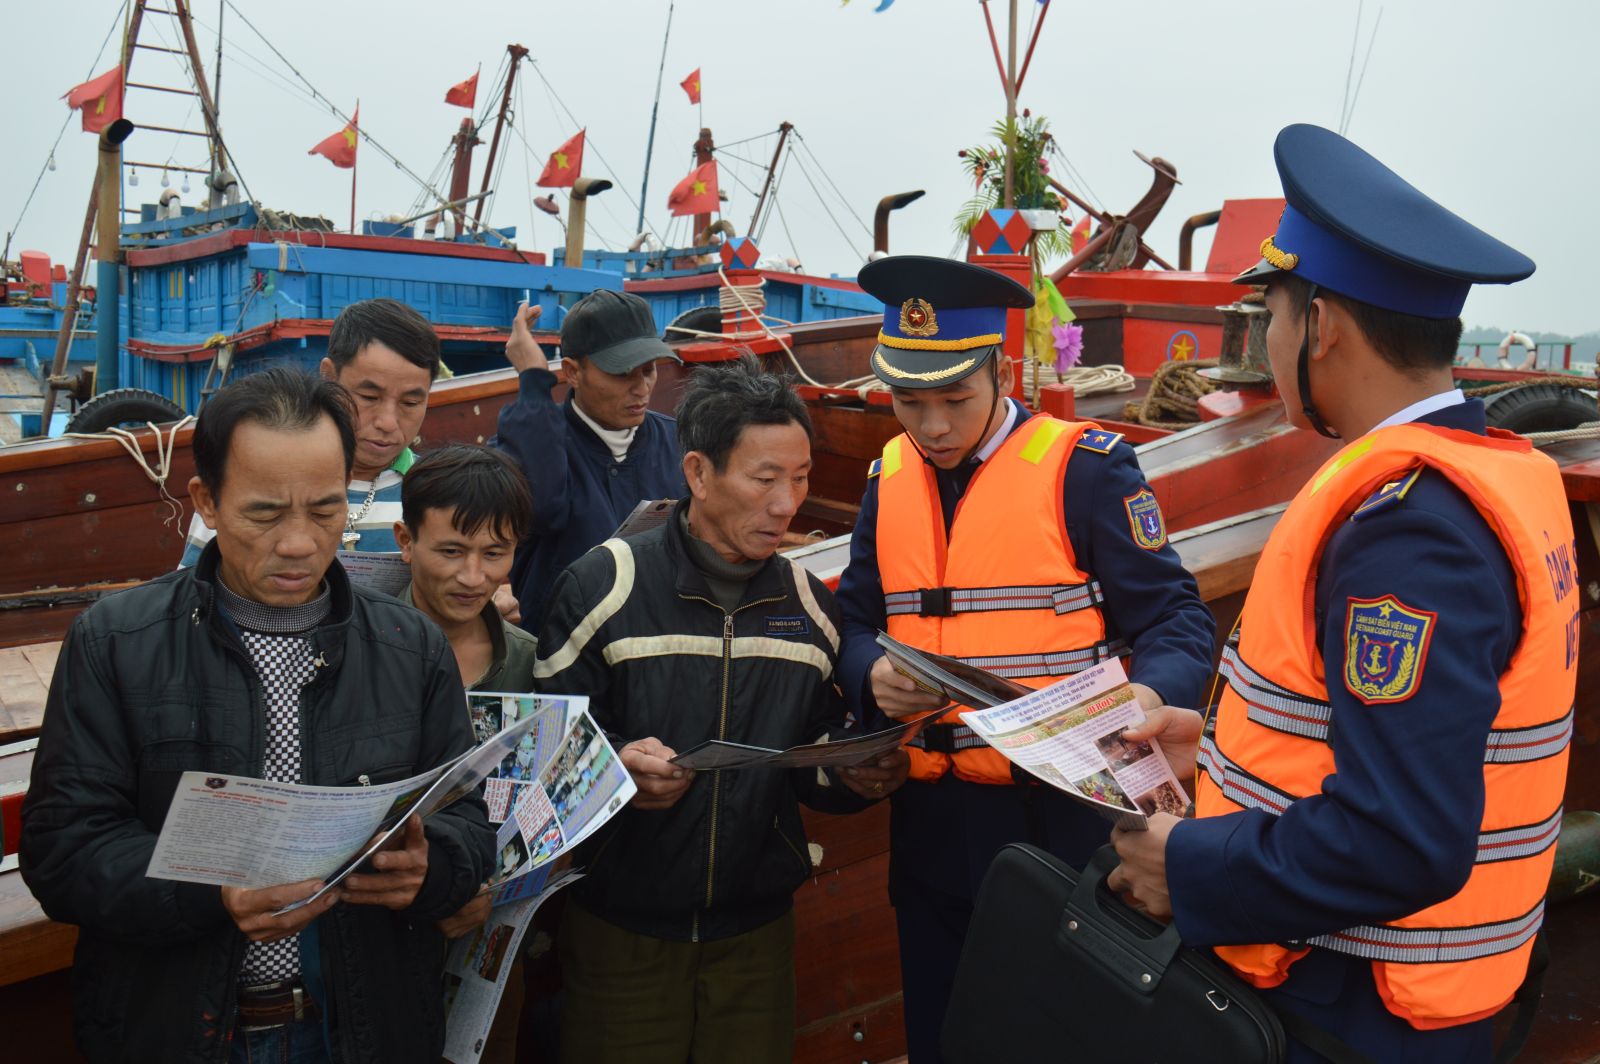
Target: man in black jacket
(593,458)
(262,660)
(679,943)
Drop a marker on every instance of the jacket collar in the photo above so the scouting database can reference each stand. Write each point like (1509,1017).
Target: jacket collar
(691,582)
(327,638)
(593,442)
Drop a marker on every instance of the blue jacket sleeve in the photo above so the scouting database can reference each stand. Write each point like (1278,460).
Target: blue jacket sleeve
(860,598)
(532,429)
(1395,829)
(1151,599)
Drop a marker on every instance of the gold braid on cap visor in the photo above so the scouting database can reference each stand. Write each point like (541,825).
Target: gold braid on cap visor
(930,375)
(1280,260)
(965,343)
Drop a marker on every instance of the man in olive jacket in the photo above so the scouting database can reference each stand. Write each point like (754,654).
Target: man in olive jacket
(262,660)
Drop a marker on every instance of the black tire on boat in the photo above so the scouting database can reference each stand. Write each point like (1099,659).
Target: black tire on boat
(1541,408)
(123,406)
(700,319)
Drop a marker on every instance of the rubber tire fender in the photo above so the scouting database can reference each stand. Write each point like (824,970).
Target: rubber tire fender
(122,406)
(1541,408)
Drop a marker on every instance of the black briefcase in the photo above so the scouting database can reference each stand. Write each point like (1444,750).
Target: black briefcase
(1058,968)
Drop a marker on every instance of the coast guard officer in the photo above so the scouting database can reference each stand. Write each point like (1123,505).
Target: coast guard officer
(1030,546)
(1379,804)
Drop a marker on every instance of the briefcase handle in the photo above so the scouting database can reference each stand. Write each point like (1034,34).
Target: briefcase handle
(1102,926)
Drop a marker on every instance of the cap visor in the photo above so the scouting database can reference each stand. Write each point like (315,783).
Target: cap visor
(630,354)
(923,370)
(1260,273)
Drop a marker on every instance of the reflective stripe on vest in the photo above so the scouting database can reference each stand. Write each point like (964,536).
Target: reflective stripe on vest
(1243,789)
(1463,958)
(1029,614)
(1061,598)
(1283,710)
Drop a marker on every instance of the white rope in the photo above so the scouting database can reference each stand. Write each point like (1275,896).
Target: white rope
(1097,380)
(164,448)
(1589,430)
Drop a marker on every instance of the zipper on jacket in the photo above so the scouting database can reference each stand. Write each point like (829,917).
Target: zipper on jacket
(722,734)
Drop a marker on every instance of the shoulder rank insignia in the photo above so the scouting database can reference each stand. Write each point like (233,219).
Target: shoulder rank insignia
(1099,441)
(1387,496)
(1144,518)
(875,468)
(1386,647)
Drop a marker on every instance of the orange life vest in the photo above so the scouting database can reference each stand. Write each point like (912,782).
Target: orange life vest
(1001,591)
(1462,959)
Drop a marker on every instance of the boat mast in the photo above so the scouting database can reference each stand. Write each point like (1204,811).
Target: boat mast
(517,53)
(1011,107)
(783,138)
(703,149)
(650,144)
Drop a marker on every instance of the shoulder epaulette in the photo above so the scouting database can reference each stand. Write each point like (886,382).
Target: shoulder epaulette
(1387,496)
(1099,441)
(875,468)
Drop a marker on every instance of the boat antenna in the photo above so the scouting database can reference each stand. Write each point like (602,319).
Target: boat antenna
(216,71)
(650,143)
(1350,67)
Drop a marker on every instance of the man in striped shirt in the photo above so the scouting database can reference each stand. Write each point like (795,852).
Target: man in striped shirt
(386,356)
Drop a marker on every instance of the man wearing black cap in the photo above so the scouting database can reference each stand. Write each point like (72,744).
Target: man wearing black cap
(1025,544)
(1379,802)
(592,459)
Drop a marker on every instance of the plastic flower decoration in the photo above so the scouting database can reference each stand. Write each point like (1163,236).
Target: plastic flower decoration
(1068,341)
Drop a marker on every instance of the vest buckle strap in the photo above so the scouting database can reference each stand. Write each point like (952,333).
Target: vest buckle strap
(1513,844)
(1435,945)
(1051,662)
(1273,706)
(936,602)
(947,739)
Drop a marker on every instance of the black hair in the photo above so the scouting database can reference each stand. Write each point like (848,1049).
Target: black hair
(1407,342)
(391,323)
(277,398)
(721,401)
(478,485)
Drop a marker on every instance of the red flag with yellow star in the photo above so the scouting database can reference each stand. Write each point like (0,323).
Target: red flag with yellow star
(697,193)
(340,149)
(464,93)
(100,100)
(691,85)
(565,165)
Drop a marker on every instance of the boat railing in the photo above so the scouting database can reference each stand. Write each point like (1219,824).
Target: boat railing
(1548,356)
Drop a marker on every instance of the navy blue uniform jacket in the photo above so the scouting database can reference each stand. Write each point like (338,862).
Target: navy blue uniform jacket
(580,493)
(1396,827)
(945,834)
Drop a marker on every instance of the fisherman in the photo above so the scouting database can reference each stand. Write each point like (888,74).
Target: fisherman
(464,509)
(678,944)
(260,660)
(1379,805)
(386,355)
(1025,544)
(591,459)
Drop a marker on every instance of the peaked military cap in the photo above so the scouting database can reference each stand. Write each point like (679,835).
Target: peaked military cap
(942,318)
(1356,227)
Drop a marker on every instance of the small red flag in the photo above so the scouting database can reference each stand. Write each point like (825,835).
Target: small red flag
(340,149)
(697,193)
(100,100)
(565,165)
(1080,234)
(691,85)
(464,94)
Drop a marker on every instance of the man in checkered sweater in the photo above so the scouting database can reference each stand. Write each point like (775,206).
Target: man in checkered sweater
(260,660)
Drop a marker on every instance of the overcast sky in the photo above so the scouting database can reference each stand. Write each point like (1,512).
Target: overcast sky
(1490,107)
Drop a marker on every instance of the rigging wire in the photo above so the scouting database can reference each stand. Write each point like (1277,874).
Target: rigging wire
(1351,114)
(588,142)
(49,158)
(849,242)
(1350,67)
(368,137)
(842,197)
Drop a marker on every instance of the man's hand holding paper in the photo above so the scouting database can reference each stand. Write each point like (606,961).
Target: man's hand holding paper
(259,912)
(897,694)
(398,871)
(660,783)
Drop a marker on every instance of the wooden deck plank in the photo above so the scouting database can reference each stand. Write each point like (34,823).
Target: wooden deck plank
(42,656)
(22,693)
